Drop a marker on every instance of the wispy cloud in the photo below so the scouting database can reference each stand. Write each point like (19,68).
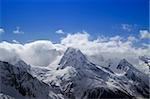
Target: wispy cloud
(60,31)
(18,31)
(1,30)
(144,34)
(127,27)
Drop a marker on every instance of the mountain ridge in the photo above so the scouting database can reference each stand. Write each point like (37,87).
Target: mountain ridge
(78,78)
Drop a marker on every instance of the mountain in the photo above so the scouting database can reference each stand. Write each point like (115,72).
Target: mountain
(141,80)
(18,83)
(136,83)
(74,58)
(22,65)
(71,57)
(124,65)
(146,60)
(131,72)
(75,78)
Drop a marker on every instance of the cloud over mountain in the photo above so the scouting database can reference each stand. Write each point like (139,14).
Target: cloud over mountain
(44,52)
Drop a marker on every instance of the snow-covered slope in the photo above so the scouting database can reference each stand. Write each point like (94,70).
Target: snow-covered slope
(145,61)
(90,80)
(73,57)
(17,82)
(130,71)
(131,82)
(75,78)
(140,80)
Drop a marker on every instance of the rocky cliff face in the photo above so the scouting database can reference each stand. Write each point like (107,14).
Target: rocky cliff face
(19,83)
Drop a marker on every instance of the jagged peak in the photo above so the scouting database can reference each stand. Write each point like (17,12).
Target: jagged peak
(124,62)
(124,65)
(145,59)
(72,57)
(71,50)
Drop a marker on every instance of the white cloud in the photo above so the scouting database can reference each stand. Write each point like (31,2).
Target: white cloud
(1,31)
(18,31)
(127,27)
(132,38)
(75,39)
(15,41)
(60,31)
(144,34)
(38,53)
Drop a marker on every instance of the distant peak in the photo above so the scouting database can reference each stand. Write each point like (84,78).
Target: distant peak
(124,65)
(70,49)
(145,59)
(123,61)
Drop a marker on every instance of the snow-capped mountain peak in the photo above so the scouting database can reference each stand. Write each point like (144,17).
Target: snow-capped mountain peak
(76,78)
(72,57)
(124,65)
(132,73)
(145,59)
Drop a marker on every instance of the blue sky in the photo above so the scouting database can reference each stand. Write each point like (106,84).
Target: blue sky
(39,19)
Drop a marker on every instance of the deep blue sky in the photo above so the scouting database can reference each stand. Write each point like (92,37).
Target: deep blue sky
(39,19)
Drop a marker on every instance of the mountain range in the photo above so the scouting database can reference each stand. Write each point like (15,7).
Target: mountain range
(74,78)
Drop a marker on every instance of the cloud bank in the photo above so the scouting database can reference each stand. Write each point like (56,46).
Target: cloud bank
(100,50)
(38,53)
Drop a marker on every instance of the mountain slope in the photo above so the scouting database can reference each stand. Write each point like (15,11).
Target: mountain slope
(141,80)
(18,83)
(90,80)
(75,78)
(78,78)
